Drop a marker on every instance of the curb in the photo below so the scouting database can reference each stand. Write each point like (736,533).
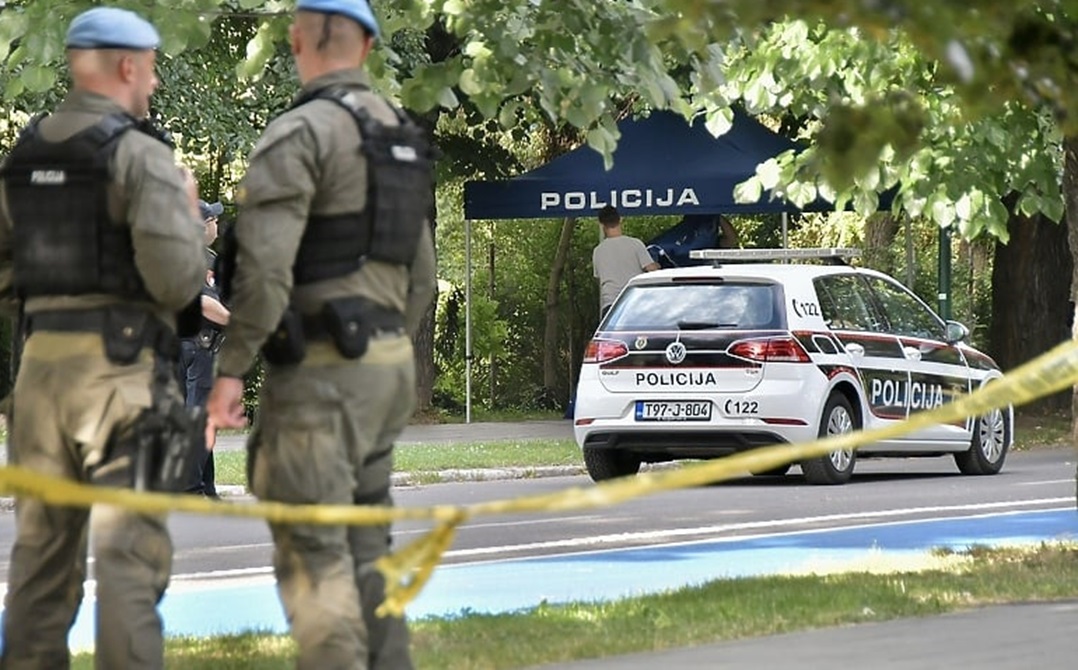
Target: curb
(411,479)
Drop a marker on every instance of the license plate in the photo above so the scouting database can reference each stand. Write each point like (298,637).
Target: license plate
(673,410)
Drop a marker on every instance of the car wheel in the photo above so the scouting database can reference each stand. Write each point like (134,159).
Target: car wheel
(988,446)
(606,464)
(773,472)
(837,467)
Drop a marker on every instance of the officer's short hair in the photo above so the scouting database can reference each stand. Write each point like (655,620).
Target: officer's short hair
(608,216)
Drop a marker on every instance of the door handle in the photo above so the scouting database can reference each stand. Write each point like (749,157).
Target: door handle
(855,349)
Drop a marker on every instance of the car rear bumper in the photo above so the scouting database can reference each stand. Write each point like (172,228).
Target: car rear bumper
(694,444)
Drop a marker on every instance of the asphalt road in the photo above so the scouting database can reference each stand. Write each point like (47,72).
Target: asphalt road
(884,490)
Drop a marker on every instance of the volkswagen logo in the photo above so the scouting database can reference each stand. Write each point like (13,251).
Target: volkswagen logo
(675,352)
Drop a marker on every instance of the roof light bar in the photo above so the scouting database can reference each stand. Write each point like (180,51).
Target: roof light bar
(772,254)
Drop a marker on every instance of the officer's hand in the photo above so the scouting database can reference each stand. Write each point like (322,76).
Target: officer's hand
(225,406)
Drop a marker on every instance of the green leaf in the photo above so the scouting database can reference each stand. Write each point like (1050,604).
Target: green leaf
(37,78)
(469,83)
(942,212)
(507,116)
(748,191)
(448,99)
(769,173)
(801,193)
(14,88)
(719,121)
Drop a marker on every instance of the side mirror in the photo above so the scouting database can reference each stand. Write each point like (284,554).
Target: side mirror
(955,332)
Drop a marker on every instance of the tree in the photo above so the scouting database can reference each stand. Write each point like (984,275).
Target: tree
(517,61)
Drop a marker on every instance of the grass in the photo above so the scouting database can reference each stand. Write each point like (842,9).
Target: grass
(1041,430)
(716,611)
(431,459)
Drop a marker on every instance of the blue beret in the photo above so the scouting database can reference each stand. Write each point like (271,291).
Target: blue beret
(357,10)
(210,210)
(111,28)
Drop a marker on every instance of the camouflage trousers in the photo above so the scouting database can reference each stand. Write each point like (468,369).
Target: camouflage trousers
(69,402)
(325,434)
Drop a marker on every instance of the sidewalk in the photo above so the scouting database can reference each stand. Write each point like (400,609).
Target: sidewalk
(1001,637)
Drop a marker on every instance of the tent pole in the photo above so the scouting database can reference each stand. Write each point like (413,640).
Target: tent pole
(785,224)
(467,321)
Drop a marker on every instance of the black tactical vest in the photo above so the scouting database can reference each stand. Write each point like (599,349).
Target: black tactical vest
(65,243)
(400,198)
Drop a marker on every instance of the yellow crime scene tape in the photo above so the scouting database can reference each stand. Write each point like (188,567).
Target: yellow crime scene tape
(408,569)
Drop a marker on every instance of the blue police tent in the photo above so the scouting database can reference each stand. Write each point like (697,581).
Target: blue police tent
(662,165)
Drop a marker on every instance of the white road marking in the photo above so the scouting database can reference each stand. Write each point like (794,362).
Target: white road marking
(1046,482)
(663,536)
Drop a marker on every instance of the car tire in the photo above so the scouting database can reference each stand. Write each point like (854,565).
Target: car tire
(606,464)
(988,446)
(837,467)
(773,472)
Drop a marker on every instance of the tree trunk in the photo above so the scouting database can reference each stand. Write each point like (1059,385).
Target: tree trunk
(1070,200)
(424,360)
(880,231)
(1030,310)
(551,330)
(423,342)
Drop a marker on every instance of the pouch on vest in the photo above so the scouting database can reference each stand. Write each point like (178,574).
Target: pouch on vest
(127,330)
(286,345)
(348,321)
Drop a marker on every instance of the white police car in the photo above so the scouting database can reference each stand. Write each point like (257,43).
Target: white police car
(705,361)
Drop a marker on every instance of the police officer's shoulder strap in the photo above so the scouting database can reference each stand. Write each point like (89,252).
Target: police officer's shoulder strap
(345,97)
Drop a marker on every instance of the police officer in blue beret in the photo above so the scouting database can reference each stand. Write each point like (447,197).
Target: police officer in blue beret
(337,272)
(100,246)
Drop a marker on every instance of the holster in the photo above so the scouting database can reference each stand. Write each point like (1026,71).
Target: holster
(286,345)
(158,451)
(209,338)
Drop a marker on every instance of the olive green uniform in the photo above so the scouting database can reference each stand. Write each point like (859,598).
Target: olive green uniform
(70,401)
(325,427)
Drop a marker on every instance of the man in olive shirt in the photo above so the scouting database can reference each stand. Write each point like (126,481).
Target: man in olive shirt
(98,242)
(355,278)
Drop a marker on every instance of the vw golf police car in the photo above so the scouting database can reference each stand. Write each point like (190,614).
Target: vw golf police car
(705,361)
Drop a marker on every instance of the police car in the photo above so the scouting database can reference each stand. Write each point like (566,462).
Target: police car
(706,361)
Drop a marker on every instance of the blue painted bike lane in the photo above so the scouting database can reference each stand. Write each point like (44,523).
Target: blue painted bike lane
(231,606)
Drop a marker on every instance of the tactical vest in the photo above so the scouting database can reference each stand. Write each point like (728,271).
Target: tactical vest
(400,198)
(64,242)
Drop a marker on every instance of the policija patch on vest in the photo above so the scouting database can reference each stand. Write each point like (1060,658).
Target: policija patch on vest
(48,177)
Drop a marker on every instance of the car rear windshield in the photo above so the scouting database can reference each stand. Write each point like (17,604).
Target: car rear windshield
(697,306)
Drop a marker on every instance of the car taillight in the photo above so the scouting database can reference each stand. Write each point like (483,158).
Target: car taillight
(770,350)
(603,351)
